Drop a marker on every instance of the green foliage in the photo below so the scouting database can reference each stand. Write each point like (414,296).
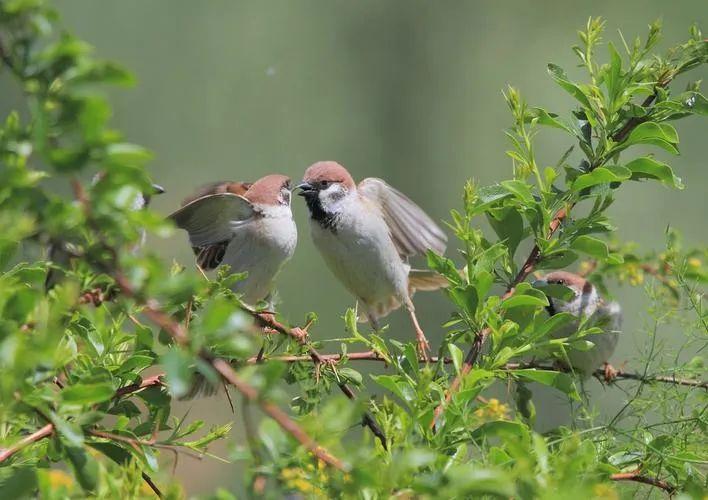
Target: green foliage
(81,359)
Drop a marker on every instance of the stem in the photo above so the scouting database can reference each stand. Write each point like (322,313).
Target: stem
(639,478)
(300,335)
(276,414)
(178,333)
(42,433)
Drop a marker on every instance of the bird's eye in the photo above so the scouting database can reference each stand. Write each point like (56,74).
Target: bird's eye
(324,184)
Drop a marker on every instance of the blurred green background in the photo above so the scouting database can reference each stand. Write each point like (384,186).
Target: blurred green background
(409,91)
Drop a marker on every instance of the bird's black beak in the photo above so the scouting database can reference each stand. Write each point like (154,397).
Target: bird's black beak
(305,188)
(157,189)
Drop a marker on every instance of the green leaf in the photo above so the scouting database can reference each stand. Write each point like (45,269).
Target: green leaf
(519,300)
(465,297)
(471,481)
(662,135)
(178,371)
(350,375)
(68,431)
(557,260)
(542,117)
(136,363)
(130,155)
(552,324)
(649,168)
(18,481)
(613,74)
(487,196)
(502,429)
(393,384)
(85,467)
(509,226)
(601,175)
(591,246)
(87,394)
(520,189)
(561,381)
(561,79)
(457,355)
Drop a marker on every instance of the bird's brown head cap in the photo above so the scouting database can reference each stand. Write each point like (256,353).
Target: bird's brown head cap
(268,190)
(328,172)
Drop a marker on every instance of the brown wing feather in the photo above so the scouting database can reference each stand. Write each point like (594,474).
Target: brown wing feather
(412,230)
(217,187)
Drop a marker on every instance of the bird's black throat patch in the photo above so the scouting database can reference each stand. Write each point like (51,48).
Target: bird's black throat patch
(551,308)
(327,220)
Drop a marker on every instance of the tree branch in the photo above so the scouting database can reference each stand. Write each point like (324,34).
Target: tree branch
(639,478)
(373,356)
(300,335)
(144,384)
(178,333)
(276,414)
(42,433)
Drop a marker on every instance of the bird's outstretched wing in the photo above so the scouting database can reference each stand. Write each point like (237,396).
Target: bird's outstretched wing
(412,230)
(212,221)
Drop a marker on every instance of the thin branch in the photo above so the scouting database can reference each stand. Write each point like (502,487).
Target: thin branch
(300,335)
(178,333)
(276,414)
(600,372)
(618,375)
(152,485)
(148,382)
(42,433)
(639,478)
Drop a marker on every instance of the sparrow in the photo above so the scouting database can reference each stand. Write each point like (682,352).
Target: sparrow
(61,253)
(585,303)
(366,233)
(247,226)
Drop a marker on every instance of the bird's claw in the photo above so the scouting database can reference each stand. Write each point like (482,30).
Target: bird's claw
(423,347)
(299,334)
(610,372)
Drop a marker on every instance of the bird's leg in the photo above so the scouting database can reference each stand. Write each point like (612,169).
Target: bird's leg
(423,345)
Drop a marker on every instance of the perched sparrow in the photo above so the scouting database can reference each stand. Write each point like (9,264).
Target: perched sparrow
(60,253)
(586,303)
(366,234)
(248,226)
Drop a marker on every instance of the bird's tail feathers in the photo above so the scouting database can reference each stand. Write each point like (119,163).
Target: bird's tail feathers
(201,387)
(425,280)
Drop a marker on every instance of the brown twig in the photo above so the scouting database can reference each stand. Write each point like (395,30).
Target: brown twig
(152,485)
(373,356)
(225,370)
(639,478)
(42,433)
(300,335)
(144,384)
(176,330)
(617,375)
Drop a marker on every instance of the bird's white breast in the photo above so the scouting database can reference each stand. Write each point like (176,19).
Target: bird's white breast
(360,253)
(261,248)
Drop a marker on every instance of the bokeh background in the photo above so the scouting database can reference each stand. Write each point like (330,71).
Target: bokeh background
(409,91)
